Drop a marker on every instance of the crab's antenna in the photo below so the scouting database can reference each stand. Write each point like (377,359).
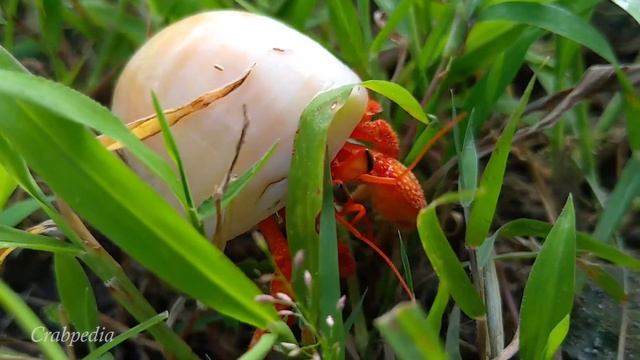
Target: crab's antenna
(375,248)
(439,135)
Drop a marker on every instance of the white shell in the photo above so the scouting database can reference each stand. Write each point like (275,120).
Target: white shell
(209,50)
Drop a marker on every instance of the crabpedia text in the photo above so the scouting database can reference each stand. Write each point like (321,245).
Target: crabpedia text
(41,334)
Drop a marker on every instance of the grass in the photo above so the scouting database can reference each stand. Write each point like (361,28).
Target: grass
(425,61)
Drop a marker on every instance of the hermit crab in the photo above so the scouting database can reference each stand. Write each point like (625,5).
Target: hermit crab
(274,71)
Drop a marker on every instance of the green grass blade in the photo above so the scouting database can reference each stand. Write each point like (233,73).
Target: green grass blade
(484,205)
(76,293)
(434,318)
(556,337)
(468,179)
(554,19)
(631,109)
(15,213)
(346,26)
(14,238)
(604,280)
(446,264)
(406,329)
(400,96)
(104,348)
(484,95)
(548,295)
(260,350)
(101,263)
(156,238)
(529,227)
(329,276)
(296,12)
(400,12)
(174,153)
(76,107)
(208,208)
(626,190)
(29,322)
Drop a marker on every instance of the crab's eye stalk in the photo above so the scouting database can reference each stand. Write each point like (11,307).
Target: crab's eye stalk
(209,51)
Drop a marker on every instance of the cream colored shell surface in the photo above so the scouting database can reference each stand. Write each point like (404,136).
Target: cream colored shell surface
(209,50)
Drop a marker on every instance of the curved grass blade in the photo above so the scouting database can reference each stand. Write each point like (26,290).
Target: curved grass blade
(29,322)
(584,242)
(552,18)
(406,329)
(174,153)
(446,264)
(398,95)
(76,293)
(260,350)
(130,213)
(306,178)
(484,205)
(104,348)
(434,318)
(14,238)
(548,295)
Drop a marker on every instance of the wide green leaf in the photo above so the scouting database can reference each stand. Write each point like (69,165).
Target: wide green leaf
(446,264)
(551,18)
(411,337)
(74,106)
(484,205)
(548,295)
(108,195)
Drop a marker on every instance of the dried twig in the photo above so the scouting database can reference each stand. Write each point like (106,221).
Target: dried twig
(217,237)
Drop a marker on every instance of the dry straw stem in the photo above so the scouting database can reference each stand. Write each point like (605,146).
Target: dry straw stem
(150,125)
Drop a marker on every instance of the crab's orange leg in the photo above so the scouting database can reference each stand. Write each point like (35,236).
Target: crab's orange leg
(375,248)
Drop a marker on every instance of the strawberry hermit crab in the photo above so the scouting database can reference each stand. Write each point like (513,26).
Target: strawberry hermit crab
(287,70)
